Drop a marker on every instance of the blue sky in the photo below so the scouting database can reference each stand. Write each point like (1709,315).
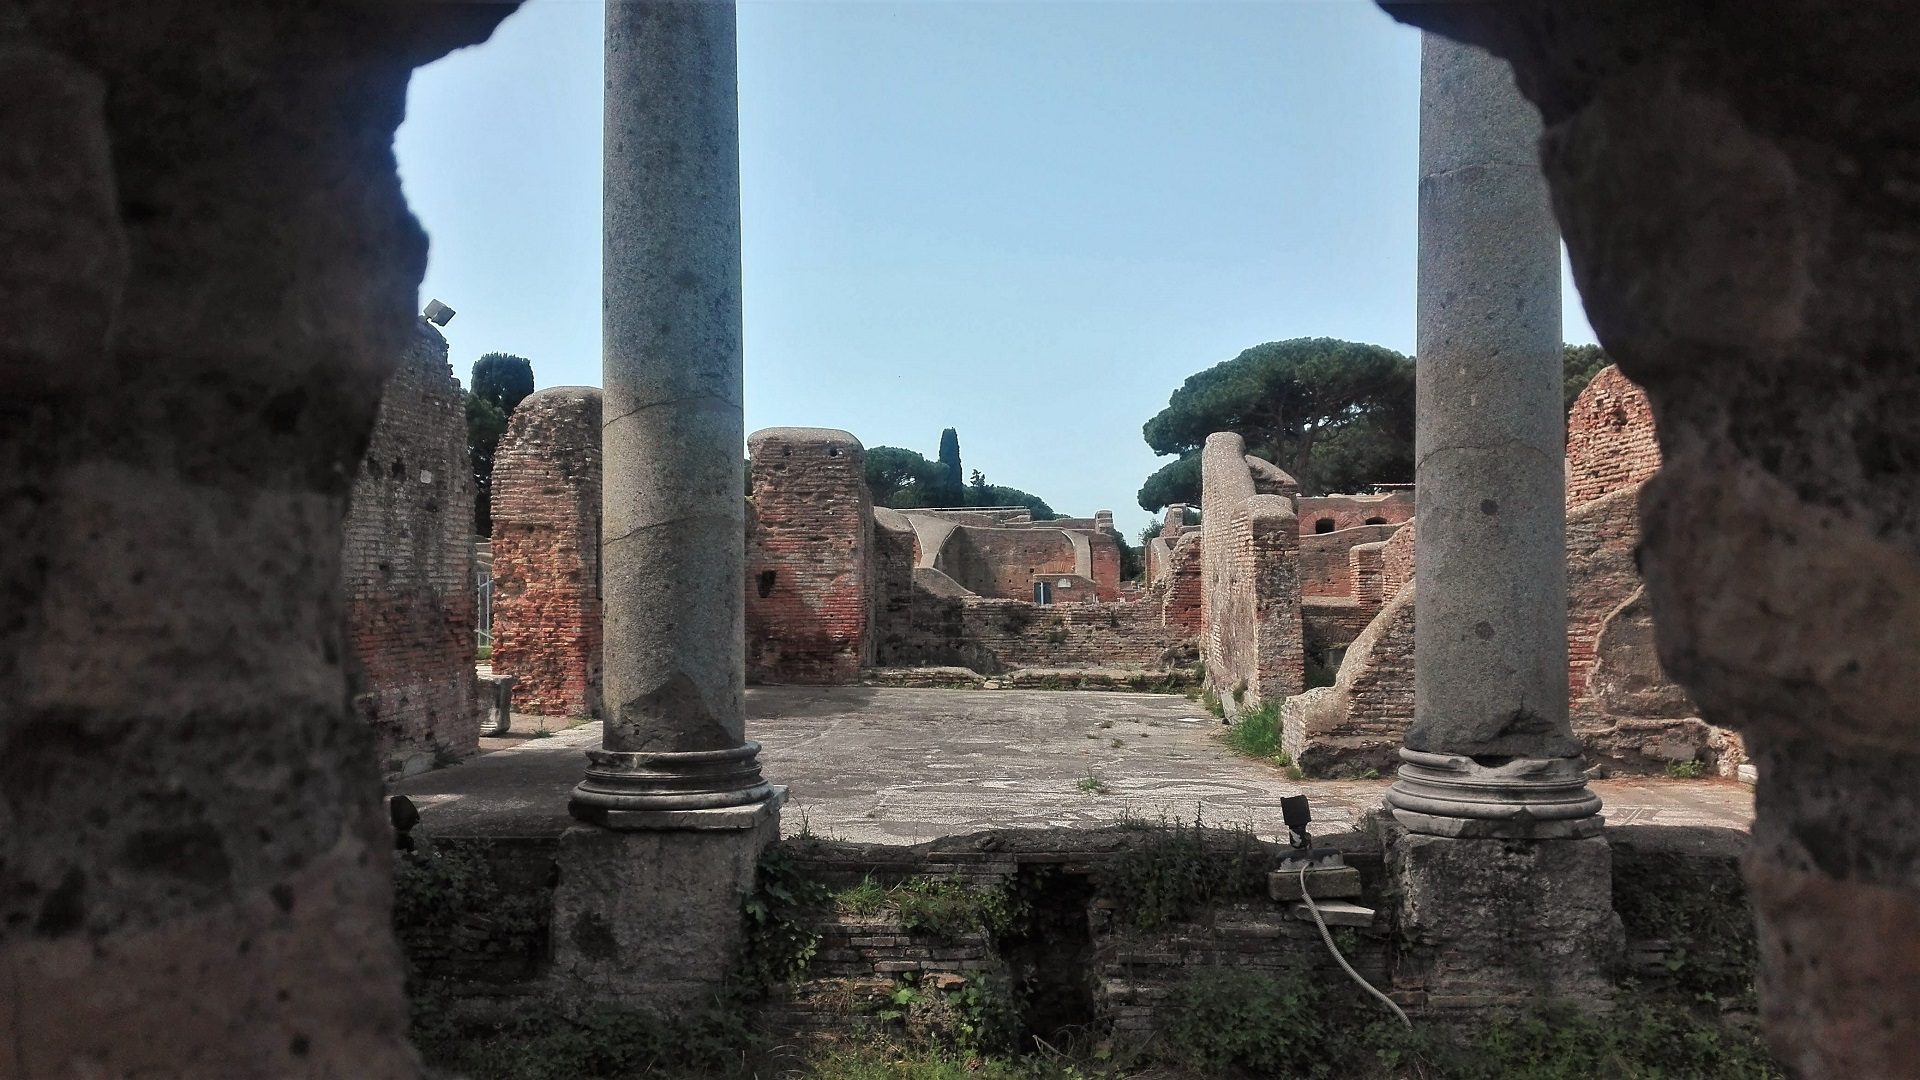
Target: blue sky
(1028,222)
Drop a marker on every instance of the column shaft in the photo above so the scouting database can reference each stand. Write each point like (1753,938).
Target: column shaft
(1490,655)
(673,528)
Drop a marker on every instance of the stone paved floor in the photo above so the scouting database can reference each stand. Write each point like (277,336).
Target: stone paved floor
(902,766)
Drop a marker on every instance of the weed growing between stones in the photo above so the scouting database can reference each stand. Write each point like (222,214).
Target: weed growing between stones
(1210,701)
(1091,785)
(1256,734)
(977,1017)
(937,907)
(1686,770)
(1177,869)
(780,938)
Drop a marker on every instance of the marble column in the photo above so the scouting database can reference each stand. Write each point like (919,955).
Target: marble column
(1490,751)
(673,537)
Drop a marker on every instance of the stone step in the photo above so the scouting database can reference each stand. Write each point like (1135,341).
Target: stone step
(1325,883)
(1336,913)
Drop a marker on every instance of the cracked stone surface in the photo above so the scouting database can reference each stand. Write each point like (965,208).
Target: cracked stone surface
(891,765)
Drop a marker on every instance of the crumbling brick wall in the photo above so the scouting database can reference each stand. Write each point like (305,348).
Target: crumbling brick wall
(811,533)
(949,627)
(1251,597)
(1105,552)
(546,553)
(1611,441)
(407,563)
(1357,723)
(1183,600)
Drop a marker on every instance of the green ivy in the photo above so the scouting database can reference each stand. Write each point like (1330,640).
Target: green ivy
(780,939)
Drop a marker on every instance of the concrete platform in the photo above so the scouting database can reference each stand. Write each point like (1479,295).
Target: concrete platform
(889,765)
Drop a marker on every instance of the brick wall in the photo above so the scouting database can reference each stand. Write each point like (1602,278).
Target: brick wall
(1611,443)
(1357,723)
(1325,569)
(1105,552)
(892,554)
(1332,622)
(992,636)
(546,553)
(1366,565)
(407,564)
(1252,635)
(1352,511)
(808,582)
(1001,563)
(1183,601)
(1601,536)
(1396,562)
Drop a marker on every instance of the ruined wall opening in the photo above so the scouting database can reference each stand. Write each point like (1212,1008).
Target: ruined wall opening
(1050,958)
(1325,525)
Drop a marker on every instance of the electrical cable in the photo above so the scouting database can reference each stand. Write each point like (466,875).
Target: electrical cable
(1327,936)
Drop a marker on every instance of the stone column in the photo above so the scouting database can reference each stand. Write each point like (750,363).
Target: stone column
(1504,883)
(1490,751)
(676,784)
(674,546)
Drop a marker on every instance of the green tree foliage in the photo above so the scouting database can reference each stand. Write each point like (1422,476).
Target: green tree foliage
(1335,414)
(1133,557)
(950,484)
(500,382)
(1178,481)
(503,379)
(981,493)
(1582,363)
(902,478)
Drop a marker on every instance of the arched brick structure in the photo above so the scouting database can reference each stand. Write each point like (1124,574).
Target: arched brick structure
(407,565)
(546,553)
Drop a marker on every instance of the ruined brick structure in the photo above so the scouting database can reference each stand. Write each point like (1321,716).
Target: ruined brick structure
(1389,505)
(1250,569)
(1611,443)
(1627,713)
(809,580)
(407,565)
(546,553)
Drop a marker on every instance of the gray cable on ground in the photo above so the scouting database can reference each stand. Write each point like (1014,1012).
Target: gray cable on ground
(1327,936)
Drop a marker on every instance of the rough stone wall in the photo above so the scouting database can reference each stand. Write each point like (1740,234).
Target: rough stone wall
(1001,563)
(1353,511)
(546,553)
(407,562)
(210,272)
(1357,723)
(809,542)
(1325,567)
(1611,441)
(1225,483)
(1332,622)
(1601,536)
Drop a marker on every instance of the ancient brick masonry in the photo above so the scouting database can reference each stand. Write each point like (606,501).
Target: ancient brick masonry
(808,576)
(546,553)
(1611,443)
(1251,577)
(407,563)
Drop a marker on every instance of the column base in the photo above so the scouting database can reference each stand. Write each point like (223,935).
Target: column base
(1503,924)
(1519,799)
(703,789)
(649,918)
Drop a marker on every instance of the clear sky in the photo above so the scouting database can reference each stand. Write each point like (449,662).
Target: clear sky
(1025,221)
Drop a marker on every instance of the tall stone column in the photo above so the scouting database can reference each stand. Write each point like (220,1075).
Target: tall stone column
(1504,885)
(1490,751)
(673,531)
(679,812)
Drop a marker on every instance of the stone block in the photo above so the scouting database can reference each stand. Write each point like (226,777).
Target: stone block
(1505,923)
(1336,913)
(651,918)
(1326,883)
